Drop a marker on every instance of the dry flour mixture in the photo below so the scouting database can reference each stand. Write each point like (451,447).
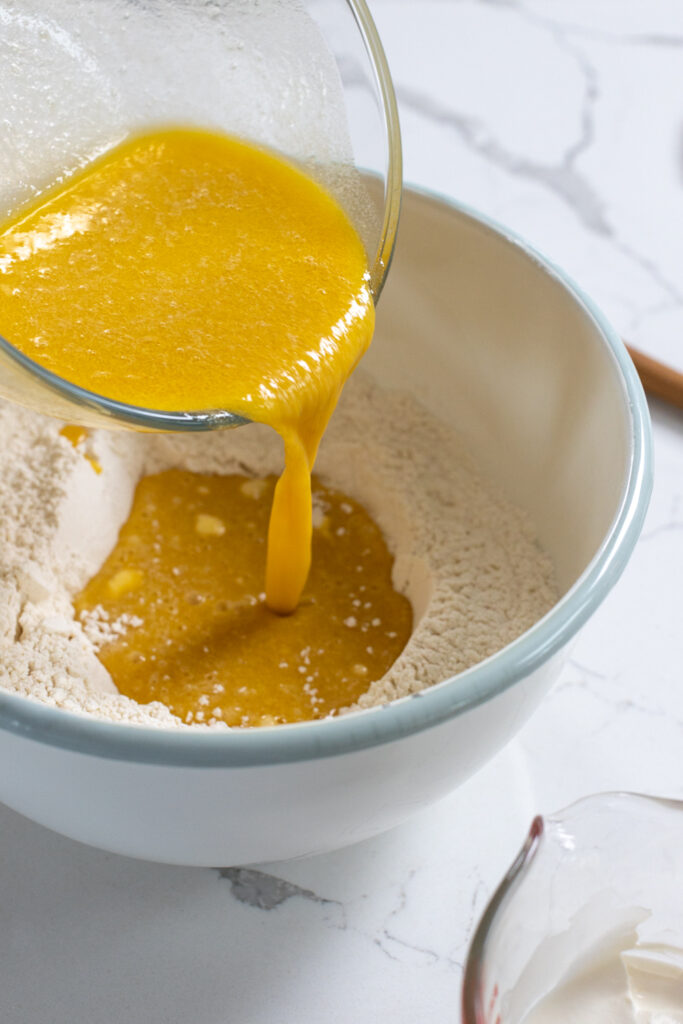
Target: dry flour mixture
(467,559)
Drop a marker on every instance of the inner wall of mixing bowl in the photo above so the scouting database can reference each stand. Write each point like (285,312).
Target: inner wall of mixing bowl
(509,358)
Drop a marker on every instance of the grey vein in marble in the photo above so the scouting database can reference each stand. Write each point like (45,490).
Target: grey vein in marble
(673,41)
(583,670)
(673,524)
(615,705)
(387,939)
(559,32)
(258,889)
(562,179)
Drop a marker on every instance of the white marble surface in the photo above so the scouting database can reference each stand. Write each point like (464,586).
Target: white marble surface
(564,120)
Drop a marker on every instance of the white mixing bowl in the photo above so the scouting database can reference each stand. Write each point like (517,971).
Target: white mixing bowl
(502,346)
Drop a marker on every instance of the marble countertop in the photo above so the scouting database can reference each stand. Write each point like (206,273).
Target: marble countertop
(563,120)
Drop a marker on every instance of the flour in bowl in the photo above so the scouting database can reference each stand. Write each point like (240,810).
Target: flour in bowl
(464,556)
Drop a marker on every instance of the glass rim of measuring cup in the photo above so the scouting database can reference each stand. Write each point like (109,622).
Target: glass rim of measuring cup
(100,407)
(474,1006)
(474,1010)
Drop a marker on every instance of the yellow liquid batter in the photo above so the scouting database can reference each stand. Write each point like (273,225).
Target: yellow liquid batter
(77,435)
(187,574)
(186,270)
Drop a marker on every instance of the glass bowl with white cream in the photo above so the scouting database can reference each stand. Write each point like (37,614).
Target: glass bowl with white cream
(587,925)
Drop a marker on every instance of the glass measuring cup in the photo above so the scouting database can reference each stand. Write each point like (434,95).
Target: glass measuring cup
(308,79)
(607,864)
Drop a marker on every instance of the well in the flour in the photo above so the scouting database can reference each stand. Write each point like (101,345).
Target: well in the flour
(466,559)
(180,595)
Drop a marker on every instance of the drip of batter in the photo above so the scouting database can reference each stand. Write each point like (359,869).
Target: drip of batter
(76,435)
(186,270)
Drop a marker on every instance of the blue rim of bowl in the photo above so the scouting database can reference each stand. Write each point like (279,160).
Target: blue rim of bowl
(360,730)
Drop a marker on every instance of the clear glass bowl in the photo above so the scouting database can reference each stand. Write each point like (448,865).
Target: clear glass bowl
(608,862)
(308,79)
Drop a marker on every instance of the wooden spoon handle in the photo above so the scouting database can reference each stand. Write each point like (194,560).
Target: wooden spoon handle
(658,379)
